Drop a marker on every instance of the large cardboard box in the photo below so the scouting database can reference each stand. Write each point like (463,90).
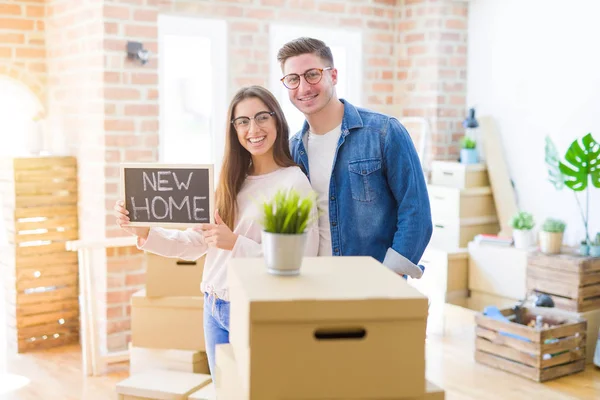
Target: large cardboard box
(457,175)
(448,202)
(478,301)
(229,386)
(144,359)
(167,322)
(173,277)
(451,233)
(316,328)
(498,270)
(161,385)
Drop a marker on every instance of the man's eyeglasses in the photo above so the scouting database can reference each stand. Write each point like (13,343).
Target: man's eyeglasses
(243,123)
(312,76)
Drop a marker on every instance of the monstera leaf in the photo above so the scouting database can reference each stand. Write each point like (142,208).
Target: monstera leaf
(581,163)
(552,161)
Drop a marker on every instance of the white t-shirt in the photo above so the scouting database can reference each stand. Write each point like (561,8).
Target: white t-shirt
(321,151)
(190,245)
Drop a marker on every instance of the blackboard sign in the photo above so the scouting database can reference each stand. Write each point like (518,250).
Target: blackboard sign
(168,195)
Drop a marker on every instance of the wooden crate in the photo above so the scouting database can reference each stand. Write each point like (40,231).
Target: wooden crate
(448,202)
(572,280)
(457,175)
(536,354)
(39,210)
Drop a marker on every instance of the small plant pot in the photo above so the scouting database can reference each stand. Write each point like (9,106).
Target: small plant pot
(469,156)
(595,251)
(524,239)
(283,252)
(551,242)
(584,249)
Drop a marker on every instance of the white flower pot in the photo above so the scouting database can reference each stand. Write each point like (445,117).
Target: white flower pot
(283,252)
(551,242)
(524,239)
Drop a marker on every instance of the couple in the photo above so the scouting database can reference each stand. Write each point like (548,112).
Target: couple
(372,196)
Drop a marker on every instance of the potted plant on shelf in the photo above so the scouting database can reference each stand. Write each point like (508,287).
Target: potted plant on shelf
(581,167)
(522,224)
(468,151)
(595,246)
(285,219)
(551,236)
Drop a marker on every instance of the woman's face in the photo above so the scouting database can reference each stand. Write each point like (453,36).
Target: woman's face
(255,126)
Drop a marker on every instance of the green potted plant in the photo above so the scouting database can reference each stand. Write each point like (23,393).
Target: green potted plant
(581,166)
(595,246)
(285,220)
(551,236)
(522,224)
(468,151)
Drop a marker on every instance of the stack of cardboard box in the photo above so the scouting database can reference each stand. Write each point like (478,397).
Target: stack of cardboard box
(346,327)
(167,333)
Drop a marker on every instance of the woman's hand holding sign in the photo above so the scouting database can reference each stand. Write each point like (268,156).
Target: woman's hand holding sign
(218,235)
(123,221)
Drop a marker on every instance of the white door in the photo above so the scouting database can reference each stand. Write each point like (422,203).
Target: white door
(193,89)
(346,46)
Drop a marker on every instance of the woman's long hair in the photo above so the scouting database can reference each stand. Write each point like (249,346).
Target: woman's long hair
(237,159)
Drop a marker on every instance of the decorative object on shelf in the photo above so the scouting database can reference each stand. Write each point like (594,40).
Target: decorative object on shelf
(472,131)
(595,246)
(582,163)
(551,236)
(286,218)
(468,151)
(522,224)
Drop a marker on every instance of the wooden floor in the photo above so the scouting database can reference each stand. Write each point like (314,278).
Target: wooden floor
(57,374)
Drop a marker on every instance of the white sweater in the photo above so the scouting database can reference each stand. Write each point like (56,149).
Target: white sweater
(190,245)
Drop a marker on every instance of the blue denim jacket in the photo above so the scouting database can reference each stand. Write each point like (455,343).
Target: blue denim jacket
(378,201)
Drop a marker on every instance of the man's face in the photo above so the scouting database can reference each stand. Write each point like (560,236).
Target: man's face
(310,98)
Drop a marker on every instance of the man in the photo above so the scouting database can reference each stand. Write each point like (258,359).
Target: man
(372,195)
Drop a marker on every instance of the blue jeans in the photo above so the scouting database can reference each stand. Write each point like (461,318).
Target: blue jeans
(216,327)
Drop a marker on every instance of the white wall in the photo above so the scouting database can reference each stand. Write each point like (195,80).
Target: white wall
(534,67)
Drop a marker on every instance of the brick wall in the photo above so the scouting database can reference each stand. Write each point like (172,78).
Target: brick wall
(104,108)
(76,111)
(22,44)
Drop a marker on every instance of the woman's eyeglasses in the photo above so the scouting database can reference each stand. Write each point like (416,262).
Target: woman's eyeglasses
(312,76)
(243,123)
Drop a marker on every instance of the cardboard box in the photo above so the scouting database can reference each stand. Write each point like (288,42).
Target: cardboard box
(331,319)
(452,233)
(167,322)
(208,392)
(498,270)
(477,301)
(173,277)
(448,202)
(446,273)
(143,359)
(457,175)
(229,384)
(161,385)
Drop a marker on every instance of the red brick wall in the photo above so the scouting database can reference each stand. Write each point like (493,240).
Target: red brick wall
(22,44)
(431,69)
(104,108)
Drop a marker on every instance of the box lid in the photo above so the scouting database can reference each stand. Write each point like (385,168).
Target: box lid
(163,384)
(328,288)
(139,299)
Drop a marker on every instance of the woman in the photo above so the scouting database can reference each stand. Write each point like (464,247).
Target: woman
(256,163)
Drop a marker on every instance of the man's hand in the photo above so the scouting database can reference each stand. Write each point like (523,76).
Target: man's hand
(218,235)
